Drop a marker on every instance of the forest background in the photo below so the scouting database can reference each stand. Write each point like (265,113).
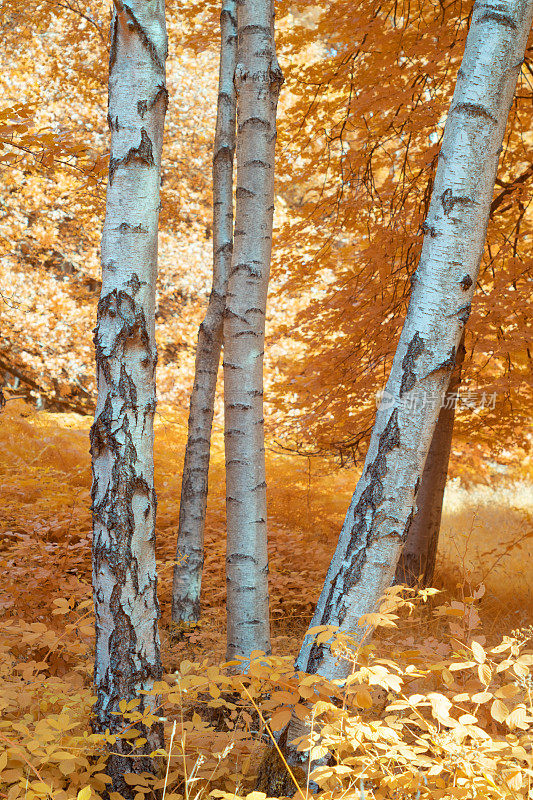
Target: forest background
(357,144)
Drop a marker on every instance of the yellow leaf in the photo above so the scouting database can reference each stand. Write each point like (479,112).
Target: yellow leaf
(520,670)
(508,690)
(479,653)
(499,711)
(517,718)
(484,673)
(301,711)
(280,719)
(132,779)
(85,793)
(467,719)
(363,698)
(514,779)
(482,697)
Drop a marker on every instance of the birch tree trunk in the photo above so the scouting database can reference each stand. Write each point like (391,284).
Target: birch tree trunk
(258,81)
(382,507)
(124,500)
(417,560)
(190,548)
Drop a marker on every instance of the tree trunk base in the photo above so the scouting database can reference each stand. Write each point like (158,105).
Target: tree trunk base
(274,779)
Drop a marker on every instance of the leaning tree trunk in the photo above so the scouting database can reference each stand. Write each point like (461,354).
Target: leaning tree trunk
(381,509)
(258,80)
(419,554)
(190,548)
(124,500)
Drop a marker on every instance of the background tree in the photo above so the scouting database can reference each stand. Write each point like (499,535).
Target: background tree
(419,552)
(194,482)
(258,81)
(124,499)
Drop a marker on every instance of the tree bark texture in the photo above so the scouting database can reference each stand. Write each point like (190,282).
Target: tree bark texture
(258,81)
(381,509)
(190,548)
(124,500)
(417,560)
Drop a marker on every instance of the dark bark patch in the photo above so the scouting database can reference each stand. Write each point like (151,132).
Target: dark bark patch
(448,363)
(126,387)
(143,154)
(113,123)
(142,108)
(408,523)
(504,20)
(257,121)
(253,268)
(240,558)
(243,192)
(224,249)
(125,227)
(254,29)
(133,25)
(414,350)
(113,45)
(448,201)
(428,228)
(475,111)
(465,283)
(362,534)
(224,153)
(256,162)
(464,313)
(135,283)
(161,94)
(248,332)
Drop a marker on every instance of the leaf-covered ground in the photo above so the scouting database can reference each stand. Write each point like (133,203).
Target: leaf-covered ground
(46,632)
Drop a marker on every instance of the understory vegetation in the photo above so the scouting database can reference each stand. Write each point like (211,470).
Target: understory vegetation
(439,704)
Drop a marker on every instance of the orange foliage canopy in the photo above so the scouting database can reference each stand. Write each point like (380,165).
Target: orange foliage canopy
(370,86)
(54,149)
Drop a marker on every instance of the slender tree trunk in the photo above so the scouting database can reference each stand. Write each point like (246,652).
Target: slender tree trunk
(417,560)
(381,510)
(124,500)
(258,81)
(190,549)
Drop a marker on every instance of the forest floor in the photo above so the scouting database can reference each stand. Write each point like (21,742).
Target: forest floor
(45,613)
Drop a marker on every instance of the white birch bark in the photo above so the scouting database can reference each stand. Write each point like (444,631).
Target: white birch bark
(382,506)
(187,582)
(419,554)
(258,81)
(124,500)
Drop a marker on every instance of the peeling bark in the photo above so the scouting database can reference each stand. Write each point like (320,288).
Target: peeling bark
(258,81)
(190,548)
(124,500)
(381,509)
(417,561)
